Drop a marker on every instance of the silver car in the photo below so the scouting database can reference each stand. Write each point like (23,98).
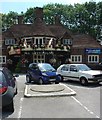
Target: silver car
(8,88)
(80,72)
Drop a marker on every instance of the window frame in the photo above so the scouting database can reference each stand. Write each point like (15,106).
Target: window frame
(75,58)
(2,59)
(67,42)
(10,42)
(91,58)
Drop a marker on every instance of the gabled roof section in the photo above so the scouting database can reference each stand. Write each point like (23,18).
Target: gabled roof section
(59,30)
(66,35)
(84,41)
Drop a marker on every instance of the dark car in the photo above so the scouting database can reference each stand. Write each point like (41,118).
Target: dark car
(8,88)
(42,73)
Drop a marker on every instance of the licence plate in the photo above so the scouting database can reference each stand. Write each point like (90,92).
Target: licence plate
(51,80)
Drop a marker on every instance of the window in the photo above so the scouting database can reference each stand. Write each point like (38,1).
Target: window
(67,42)
(2,59)
(39,58)
(2,77)
(76,58)
(9,42)
(8,74)
(73,68)
(38,41)
(93,58)
(64,68)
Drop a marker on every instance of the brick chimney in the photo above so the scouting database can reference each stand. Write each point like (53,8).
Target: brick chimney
(57,20)
(39,13)
(20,19)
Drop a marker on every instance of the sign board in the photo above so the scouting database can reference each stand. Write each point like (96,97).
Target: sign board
(93,50)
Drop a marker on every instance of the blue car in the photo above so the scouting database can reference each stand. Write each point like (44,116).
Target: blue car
(42,73)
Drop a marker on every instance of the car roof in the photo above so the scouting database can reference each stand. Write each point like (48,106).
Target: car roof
(37,63)
(74,64)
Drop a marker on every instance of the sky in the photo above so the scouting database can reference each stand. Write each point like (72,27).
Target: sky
(13,5)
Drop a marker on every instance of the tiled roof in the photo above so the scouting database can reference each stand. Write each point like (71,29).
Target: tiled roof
(40,28)
(59,30)
(26,30)
(84,41)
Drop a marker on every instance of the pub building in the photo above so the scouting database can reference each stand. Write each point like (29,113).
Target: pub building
(23,44)
(37,42)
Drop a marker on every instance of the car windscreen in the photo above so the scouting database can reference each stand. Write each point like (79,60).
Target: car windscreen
(83,67)
(46,67)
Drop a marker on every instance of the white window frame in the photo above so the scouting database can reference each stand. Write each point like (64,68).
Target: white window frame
(67,41)
(10,42)
(2,59)
(39,38)
(76,58)
(93,58)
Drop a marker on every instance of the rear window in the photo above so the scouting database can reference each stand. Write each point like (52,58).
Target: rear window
(2,77)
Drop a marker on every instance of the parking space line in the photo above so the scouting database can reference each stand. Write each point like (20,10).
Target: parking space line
(20,109)
(85,107)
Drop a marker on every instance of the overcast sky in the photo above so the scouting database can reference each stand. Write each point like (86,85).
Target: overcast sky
(13,5)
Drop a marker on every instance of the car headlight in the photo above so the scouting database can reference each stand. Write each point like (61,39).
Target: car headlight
(44,74)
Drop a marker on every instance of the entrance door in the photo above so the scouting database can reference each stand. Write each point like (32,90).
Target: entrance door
(39,58)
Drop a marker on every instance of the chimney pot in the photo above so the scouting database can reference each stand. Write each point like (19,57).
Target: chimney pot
(39,13)
(20,19)
(57,20)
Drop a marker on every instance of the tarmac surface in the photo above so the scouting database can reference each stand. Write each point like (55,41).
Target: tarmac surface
(50,90)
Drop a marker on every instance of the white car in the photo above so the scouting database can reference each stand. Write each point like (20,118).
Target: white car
(79,72)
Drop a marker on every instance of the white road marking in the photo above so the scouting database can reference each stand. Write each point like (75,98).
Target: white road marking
(85,107)
(20,109)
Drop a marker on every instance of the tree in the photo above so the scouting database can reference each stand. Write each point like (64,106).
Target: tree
(83,18)
(9,19)
(29,15)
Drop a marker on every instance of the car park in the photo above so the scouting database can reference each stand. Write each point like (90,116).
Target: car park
(80,72)
(8,88)
(42,73)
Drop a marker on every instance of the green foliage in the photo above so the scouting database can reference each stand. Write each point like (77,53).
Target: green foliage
(9,19)
(18,67)
(82,18)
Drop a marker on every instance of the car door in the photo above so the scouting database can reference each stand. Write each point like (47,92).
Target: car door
(73,73)
(65,72)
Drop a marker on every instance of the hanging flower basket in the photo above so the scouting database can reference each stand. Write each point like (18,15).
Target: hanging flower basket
(57,46)
(42,46)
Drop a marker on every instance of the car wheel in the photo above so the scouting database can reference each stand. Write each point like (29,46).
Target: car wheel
(56,82)
(10,107)
(61,78)
(16,92)
(28,80)
(40,81)
(83,81)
